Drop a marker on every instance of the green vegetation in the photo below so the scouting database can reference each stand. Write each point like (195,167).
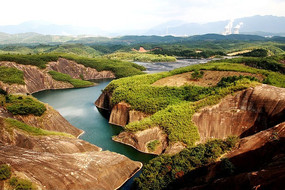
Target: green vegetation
(11,75)
(164,169)
(15,182)
(12,123)
(255,53)
(5,172)
(23,105)
(176,121)
(227,167)
(151,146)
(120,68)
(227,81)
(172,107)
(196,74)
(36,60)
(21,184)
(77,83)
(187,52)
(268,63)
(143,57)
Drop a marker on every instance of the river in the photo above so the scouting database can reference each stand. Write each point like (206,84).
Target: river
(77,106)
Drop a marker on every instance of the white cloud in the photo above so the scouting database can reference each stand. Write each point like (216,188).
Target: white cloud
(133,14)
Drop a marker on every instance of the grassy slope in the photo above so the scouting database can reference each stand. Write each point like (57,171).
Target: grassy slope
(12,123)
(77,83)
(22,105)
(11,75)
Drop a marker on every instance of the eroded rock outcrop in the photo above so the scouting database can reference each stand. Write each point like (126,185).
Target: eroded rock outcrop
(78,71)
(259,162)
(37,79)
(140,139)
(60,161)
(51,120)
(242,114)
(86,170)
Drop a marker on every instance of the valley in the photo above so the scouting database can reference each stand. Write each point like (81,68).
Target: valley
(95,119)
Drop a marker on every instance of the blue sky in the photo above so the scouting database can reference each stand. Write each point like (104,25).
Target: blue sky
(133,14)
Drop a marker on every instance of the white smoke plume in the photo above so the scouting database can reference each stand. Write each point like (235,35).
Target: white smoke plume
(228,27)
(237,27)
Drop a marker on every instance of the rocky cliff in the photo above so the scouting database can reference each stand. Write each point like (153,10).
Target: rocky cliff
(60,162)
(243,113)
(84,170)
(258,160)
(37,79)
(140,139)
(78,71)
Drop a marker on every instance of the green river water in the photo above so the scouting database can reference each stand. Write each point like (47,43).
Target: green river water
(77,106)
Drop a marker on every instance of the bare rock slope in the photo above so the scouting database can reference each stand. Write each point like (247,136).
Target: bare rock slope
(60,162)
(37,79)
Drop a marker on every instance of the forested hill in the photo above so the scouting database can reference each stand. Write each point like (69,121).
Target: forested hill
(35,38)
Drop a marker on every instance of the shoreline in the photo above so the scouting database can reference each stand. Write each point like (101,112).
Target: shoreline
(130,176)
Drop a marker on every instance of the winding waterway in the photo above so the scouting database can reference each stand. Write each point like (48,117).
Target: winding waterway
(77,106)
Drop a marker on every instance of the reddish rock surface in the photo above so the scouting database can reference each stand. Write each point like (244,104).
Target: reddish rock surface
(140,139)
(37,79)
(76,70)
(86,170)
(59,162)
(242,114)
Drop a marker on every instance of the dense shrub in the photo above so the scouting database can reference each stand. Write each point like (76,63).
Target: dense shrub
(197,74)
(267,63)
(164,169)
(227,81)
(24,105)
(5,172)
(227,167)
(11,75)
(151,146)
(20,184)
(255,53)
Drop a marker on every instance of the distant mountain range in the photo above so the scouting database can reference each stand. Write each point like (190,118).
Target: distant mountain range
(35,39)
(256,25)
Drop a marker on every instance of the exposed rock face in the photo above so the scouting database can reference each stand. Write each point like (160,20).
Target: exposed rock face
(37,79)
(68,162)
(51,120)
(52,144)
(243,114)
(76,70)
(140,139)
(120,114)
(86,170)
(259,161)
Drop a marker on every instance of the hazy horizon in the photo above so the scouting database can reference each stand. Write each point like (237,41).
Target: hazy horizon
(111,15)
